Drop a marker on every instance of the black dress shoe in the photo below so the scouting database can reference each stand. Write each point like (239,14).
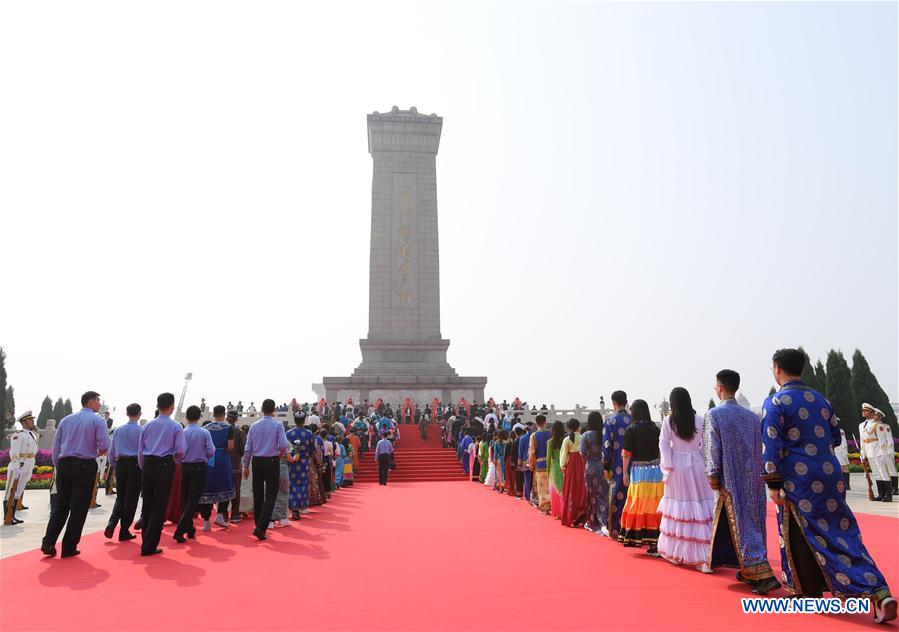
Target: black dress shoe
(48,550)
(17,520)
(180,538)
(149,553)
(70,553)
(192,535)
(124,537)
(139,525)
(260,534)
(23,508)
(108,532)
(764,586)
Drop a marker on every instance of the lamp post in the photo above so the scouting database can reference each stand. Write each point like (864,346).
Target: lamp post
(187,378)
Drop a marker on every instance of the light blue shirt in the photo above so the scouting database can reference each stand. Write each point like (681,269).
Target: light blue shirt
(124,440)
(198,441)
(161,437)
(265,438)
(385,446)
(82,435)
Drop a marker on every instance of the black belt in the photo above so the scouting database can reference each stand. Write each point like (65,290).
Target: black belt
(77,458)
(153,457)
(267,457)
(126,458)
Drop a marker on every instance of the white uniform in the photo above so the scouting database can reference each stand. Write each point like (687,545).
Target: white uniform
(887,449)
(842,451)
(870,449)
(22,451)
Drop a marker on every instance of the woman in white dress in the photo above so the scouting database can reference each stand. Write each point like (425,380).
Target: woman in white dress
(490,481)
(688,505)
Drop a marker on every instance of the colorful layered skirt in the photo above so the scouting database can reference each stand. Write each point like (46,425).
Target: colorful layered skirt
(640,518)
(574,492)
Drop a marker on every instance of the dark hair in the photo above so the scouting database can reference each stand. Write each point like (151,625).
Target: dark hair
(503,435)
(133,410)
(683,415)
(728,379)
(218,411)
(640,411)
(620,398)
(540,419)
(594,421)
(88,397)
(558,433)
(193,413)
(520,431)
(790,361)
(573,426)
(165,400)
(268,407)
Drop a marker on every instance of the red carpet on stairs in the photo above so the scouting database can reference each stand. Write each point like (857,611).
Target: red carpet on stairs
(416,460)
(409,556)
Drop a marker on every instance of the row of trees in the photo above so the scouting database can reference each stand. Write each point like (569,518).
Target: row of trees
(49,410)
(56,411)
(848,388)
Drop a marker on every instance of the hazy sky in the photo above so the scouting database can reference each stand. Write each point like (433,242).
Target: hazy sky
(630,196)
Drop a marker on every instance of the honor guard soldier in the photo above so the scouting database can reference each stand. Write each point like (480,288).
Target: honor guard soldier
(887,452)
(870,451)
(22,451)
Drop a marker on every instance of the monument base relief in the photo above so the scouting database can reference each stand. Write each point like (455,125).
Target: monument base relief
(404,354)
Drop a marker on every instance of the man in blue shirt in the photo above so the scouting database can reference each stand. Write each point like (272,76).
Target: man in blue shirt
(199,448)
(161,442)
(383,452)
(266,444)
(80,439)
(123,455)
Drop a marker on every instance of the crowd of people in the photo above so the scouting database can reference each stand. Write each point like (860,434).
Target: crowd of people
(692,490)
(181,471)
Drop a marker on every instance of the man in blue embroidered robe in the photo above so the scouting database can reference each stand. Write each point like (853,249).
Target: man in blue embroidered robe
(821,545)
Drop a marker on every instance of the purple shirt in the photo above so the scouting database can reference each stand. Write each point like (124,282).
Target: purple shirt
(161,437)
(265,438)
(82,435)
(124,441)
(199,444)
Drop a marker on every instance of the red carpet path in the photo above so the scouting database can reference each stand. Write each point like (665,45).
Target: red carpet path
(409,556)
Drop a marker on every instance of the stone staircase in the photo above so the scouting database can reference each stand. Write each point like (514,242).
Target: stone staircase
(416,460)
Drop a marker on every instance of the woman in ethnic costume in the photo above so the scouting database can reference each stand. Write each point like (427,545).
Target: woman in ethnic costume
(499,460)
(483,458)
(299,468)
(596,502)
(348,473)
(688,505)
(316,488)
(219,488)
(554,467)
(490,480)
(574,494)
(643,476)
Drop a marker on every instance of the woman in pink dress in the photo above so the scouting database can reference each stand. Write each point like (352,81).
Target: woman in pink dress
(688,505)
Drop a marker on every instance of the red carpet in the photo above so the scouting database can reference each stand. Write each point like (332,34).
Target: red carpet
(409,556)
(416,460)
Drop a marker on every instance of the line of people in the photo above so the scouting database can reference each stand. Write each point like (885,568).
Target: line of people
(693,490)
(198,467)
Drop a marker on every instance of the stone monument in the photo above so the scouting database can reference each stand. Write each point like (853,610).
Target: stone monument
(404,354)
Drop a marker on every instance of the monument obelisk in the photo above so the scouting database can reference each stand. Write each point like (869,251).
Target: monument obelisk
(404,354)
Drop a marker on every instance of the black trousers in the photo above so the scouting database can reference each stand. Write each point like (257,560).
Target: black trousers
(206,510)
(809,575)
(156,485)
(266,472)
(193,480)
(74,486)
(127,493)
(383,468)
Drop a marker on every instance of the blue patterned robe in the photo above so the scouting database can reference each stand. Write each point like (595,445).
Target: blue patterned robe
(597,507)
(613,429)
(799,432)
(733,447)
(303,442)
(219,485)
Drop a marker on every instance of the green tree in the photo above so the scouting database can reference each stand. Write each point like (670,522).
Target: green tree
(59,410)
(711,404)
(821,375)
(68,406)
(7,416)
(10,401)
(866,388)
(839,391)
(808,374)
(46,412)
